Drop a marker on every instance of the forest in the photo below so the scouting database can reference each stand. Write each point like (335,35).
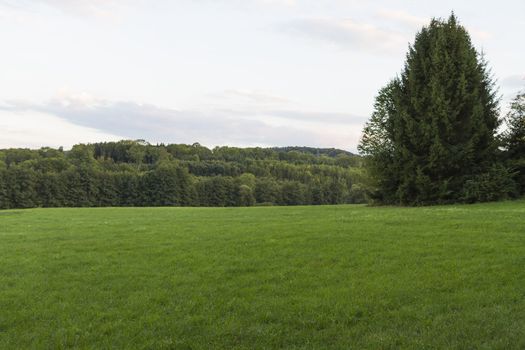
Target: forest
(135,173)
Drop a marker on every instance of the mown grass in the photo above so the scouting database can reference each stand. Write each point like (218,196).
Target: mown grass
(328,277)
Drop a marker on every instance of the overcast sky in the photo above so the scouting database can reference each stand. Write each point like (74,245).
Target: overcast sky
(220,72)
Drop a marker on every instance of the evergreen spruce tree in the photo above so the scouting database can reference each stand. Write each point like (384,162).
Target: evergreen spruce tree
(377,145)
(434,126)
(515,139)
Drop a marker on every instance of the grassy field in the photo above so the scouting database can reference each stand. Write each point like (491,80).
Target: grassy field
(333,277)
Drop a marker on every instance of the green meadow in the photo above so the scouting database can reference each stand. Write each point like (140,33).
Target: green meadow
(325,277)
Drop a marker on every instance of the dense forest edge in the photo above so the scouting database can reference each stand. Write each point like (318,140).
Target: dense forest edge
(136,173)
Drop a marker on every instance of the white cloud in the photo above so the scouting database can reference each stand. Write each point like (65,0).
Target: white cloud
(395,31)
(414,23)
(92,8)
(348,33)
(514,82)
(239,99)
(256,121)
(278,2)
(32,129)
(404,18)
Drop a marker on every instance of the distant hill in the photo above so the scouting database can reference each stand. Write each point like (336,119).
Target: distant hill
(329,152)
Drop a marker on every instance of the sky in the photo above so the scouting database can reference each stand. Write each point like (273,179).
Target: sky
(221,72)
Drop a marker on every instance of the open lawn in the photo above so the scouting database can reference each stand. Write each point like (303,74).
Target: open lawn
(449,277)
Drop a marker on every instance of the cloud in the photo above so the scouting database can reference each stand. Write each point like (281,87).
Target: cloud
(278,2)
(258,3)
(93,8)
(395,31)
(414,23)
(514,82)
(258,125)
(403,17)
(32,129)
(325,118)
(249,98)
(348,33)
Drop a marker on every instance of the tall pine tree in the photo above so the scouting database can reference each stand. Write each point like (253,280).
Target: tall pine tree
(434,127)
(515,139)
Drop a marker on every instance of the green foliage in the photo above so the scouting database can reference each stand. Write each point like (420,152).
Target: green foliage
(18,155)
(316,277)
(266,190)
(3,165)
(292,193)
(167,185)
(247,179)
(495,184)
(20,185)
(358,193)
(433,130)
(377,146)
(82,155)
(49,189)
(128,187)
(514,139)
(4,199)
(246,197)
(136,154)
(135,173)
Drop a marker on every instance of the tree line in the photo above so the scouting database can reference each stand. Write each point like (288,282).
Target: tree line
(434,135)
(135,173)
